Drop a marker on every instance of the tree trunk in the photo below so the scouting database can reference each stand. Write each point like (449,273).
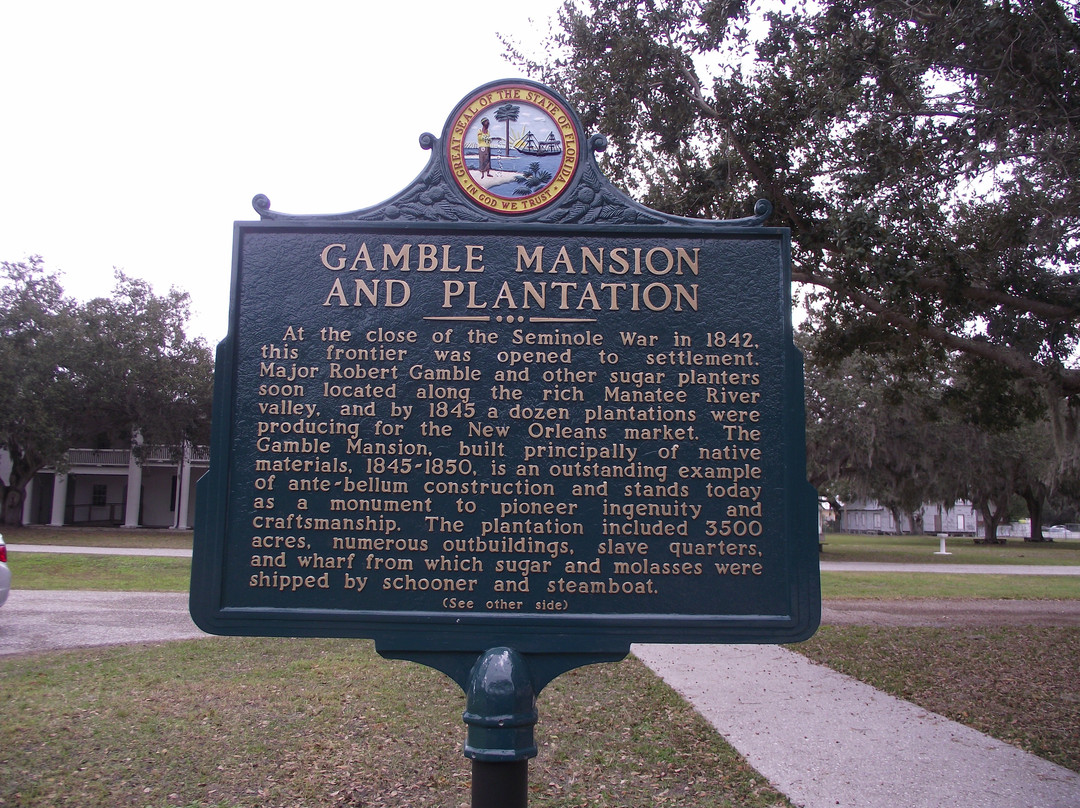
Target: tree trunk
(991,520)
(23,469)
(12,505)
(898,521)
(1035,511)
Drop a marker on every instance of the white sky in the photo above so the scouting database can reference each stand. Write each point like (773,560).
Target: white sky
(135,133)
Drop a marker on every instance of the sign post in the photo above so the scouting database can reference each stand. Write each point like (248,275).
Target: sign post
(507,423)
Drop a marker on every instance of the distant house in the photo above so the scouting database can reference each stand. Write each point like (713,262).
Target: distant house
(869,516)
(112,487)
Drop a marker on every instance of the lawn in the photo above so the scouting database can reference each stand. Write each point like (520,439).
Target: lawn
(933,585)
(231,722)
(923,549)
(99,537)
(118,573)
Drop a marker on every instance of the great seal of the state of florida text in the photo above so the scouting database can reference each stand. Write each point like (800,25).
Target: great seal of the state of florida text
(513,147)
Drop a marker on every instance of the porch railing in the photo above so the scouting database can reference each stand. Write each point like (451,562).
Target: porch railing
(98,457)
(154,455)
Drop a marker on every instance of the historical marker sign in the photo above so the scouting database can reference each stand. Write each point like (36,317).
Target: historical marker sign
(508,407)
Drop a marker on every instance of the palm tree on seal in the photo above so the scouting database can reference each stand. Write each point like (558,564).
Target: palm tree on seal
(507,113)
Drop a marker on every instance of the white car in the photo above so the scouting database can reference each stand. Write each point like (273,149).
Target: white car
(5,573)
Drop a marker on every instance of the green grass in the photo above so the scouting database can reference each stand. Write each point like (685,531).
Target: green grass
(906,586)
(922,549)
(243,722)
(98,537)
(100,572)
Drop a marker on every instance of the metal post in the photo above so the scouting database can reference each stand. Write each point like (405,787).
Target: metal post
(500,785)
(500,711)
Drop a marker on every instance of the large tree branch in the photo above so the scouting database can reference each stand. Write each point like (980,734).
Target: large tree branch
(1065,379)
(981,294)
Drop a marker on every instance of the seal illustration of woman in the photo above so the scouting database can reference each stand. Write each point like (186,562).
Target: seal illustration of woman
(483,140)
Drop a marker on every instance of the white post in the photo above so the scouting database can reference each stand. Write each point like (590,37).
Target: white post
(59,499)
(183,480)
(943,551)
(134,492)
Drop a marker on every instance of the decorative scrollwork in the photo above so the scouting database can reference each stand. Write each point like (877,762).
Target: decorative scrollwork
(595,201)
(261,203)
(433,197)
(763,209)
(429,199)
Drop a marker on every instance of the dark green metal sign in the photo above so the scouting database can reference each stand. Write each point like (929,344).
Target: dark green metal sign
(510,407)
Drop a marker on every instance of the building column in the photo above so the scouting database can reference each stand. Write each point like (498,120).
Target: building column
(134,492)
(28,496)
(59,499)
(183,479)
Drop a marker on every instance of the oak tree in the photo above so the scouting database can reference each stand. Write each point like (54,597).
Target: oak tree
(117,368)
(924,154)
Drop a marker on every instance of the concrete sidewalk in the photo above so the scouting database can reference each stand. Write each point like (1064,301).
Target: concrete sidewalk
(35,620)
(827,740)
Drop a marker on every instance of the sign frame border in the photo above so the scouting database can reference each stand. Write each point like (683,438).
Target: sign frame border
(590,204)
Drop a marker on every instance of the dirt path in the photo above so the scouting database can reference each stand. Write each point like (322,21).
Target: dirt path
(950,613)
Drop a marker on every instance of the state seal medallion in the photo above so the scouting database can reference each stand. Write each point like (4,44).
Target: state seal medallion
(513,147)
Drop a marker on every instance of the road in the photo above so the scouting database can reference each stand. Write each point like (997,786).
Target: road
(43,620)
(35,620)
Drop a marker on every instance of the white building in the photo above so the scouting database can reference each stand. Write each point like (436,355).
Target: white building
(869,516)
(111,487)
